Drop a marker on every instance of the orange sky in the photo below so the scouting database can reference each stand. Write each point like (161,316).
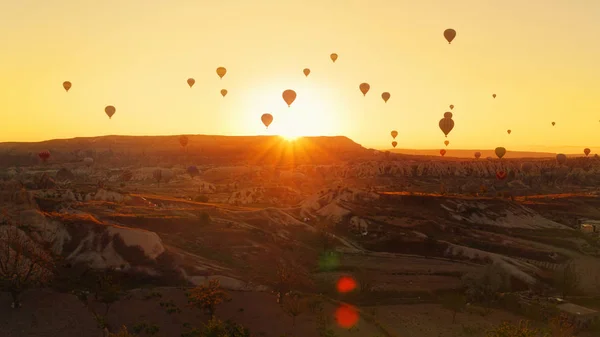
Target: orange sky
(539,56)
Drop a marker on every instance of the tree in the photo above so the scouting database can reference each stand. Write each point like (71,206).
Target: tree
(107,290)
(294,306)
(507,329)
(454,302)
(23,263)
(567,280)
(483,285)
(207,297)
(122,333)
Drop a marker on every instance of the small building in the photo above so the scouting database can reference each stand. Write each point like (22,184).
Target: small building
(589,226)
(581,316)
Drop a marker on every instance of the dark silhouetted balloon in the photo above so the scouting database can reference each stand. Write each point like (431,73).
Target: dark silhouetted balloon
(191,81)
(561,158)
(443,152)
(451,106)
(385,96)
(477,155)
(448,114)
(333,57)
(266,119)
(110,111)
(223,92)
(394,143)
(306,72)
(500,152)
(289,96)
(364,88)
(394,134)
(508,131)
(446,142)
(44,155)
(494,95)
(449,34)
(501,174)
(446,125)
(553,123)
(183,140)
(67,85)
(586,151)
(221,71)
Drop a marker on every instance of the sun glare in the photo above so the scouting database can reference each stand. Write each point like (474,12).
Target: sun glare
(313,113)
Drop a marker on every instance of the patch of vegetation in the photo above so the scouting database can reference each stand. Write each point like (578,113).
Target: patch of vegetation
(207,297)
(201,198)
(170,307)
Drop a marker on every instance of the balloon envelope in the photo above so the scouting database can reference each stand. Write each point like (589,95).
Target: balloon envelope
(110,110)
(394,134)
(449,34)
(494,95)
(508,131)
(289,96)
(394,143)
(561,158)
(446,142)
(500,152)
(477,154)
(442,152)
(183,140)
(364,88)
(451,106)
(333,57)
(191,81)
(223,92)
(221,71)
(385,96)
(446,125)
(586,151)
(266,119)
(67,85)
(306,72)
(448,114)
(553,123)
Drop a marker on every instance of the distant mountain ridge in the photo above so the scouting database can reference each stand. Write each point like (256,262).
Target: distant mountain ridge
(463,153)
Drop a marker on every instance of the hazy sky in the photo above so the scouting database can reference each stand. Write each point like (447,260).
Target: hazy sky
(539,56)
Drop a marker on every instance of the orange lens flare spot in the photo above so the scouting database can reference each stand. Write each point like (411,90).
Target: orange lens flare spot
(346,316)
(346,284)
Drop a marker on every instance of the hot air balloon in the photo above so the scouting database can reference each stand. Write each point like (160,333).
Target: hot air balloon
(44,155)
(67,85)
(306,72)
(289,96)
(223,92)
(561,158)
(385,96)
(193,171)
(221,71)
(364,88)
(500,152)
(183,140)
(449,34)
(446,125)
(477,155)
(191,81)
(448,114)
(110,111)
(586,151)
(508,131)
(442,152)
(266,119)
(494,95)
(553,123)
(88,161)
(394,143)
(394,134)
(451,106)
(333,57)
(501,174)
(446,142)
